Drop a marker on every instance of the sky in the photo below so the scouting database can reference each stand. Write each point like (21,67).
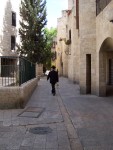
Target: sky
(54,8)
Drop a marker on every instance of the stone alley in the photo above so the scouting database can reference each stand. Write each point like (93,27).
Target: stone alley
(67,121)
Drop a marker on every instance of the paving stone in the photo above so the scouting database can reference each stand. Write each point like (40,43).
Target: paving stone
(40,138)
(3,133)
(15,142)
(1,123)
(15,122)
(29,135)
(64,148)
(40,149)
(28,141)
(108,147)
(1,115)
(5,129)
(3,147)
(26,148)
(72,132)
(7,122)
(52,134)
(80,121)
(76,144)
(7,114)
(61,126)
(51,145)
(6,134)
(34,109)
(29,114)
(13,148)
(39,145)
(51,149)
(63,140)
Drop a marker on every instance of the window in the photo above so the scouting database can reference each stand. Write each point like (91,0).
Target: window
(13,42)
(69,34)
(13,19)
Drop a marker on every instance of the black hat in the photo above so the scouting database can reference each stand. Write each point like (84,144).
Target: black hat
(53,67)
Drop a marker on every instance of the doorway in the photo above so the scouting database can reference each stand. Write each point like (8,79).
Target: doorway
(109,90)
(110,71)
(88,73)
(106,68)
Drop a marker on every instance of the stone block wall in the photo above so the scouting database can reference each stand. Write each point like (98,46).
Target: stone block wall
(104,31)
(87,31)
(74,57)
(6,28)
(71,47)
(88,62)
(16,97)
(61,61)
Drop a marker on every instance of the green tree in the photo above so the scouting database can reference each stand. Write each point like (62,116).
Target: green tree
(50,34)
(32,25)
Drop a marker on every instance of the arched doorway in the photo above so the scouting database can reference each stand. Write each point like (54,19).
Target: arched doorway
(106,68)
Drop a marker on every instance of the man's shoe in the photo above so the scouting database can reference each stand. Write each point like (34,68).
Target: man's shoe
(53,94)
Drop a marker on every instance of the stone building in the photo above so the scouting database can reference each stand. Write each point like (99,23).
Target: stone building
(53,50)
(9,25)
(61,47)
(96,46)
(90,53)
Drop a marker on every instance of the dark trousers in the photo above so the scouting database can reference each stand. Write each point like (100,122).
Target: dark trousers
(53,88)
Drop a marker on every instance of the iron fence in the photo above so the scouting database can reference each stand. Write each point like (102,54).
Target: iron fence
(15,71)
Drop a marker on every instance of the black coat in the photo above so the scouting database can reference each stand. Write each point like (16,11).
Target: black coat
(53,76)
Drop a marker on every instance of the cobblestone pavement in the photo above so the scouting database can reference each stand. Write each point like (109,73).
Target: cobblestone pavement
(75,122)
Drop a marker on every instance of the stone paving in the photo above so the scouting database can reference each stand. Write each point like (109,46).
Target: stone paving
(77,122)
(91,116)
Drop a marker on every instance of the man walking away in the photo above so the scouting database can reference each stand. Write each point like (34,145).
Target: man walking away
(53,76)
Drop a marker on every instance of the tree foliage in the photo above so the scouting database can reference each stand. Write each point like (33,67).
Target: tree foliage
(50,34)
(32,25)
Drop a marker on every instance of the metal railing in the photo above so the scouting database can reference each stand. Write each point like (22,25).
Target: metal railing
(15,71)
(26,71)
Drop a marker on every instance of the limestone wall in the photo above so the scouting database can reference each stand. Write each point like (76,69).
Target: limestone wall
(87,31)
(61,62)
(65,61)
(16,97)
(104,30)
(6,28)
(70,47)
(74,48)
(70,4)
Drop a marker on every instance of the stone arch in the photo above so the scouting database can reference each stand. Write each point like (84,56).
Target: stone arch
(105,56)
